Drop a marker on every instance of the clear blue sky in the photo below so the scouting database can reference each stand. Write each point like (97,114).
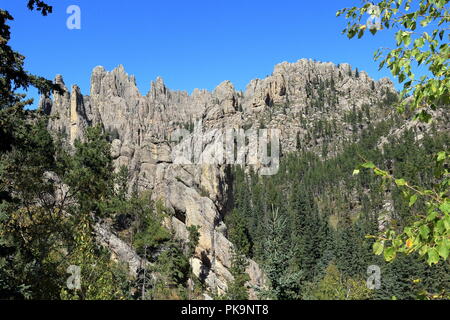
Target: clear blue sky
(191,44)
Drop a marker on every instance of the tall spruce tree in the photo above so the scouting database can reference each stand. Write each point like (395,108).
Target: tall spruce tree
(284,281)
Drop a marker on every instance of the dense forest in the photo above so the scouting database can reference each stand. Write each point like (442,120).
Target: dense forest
(308,224)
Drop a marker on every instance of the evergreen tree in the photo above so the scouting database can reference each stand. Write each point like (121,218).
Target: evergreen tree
(237,289)
(284,281)
(238,233)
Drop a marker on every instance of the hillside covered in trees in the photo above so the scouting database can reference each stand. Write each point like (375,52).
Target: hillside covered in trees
(324,215)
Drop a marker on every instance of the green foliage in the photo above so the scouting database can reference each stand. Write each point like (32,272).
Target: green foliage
(421,41)
(89,170)
(239,234)
(31,229)
(283,279)
(98,281)
(173,270)
(328,211)
(429,233)
(422,31)
(194,237)
(41,236)
(149,232)
(237,289)
(334,286)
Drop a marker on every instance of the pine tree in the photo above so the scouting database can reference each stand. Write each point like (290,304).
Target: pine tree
(284,281)
(238,233)
(237,289)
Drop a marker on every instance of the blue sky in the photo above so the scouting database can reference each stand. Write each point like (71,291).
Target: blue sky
(190,44)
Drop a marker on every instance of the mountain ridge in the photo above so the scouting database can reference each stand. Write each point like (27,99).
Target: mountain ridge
(315,105)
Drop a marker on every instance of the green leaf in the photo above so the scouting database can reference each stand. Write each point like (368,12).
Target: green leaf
(389,254)
(433,256)
(443,250)
(407,84)
(355,172)
(397,243)
(423,116)
(360,33)
(446,222)
(380,172)
(400,182)
(398,37)
(419,42)
(412,200)
(378,248)
(445,207)
(432,216)
(368,165)
(441,156)
(424,231)
(406,38)
(423,250)
(439,228)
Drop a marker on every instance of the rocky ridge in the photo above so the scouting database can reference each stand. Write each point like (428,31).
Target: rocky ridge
(298,98)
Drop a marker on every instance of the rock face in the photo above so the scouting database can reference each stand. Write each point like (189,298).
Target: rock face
(120,250)
(294,99)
